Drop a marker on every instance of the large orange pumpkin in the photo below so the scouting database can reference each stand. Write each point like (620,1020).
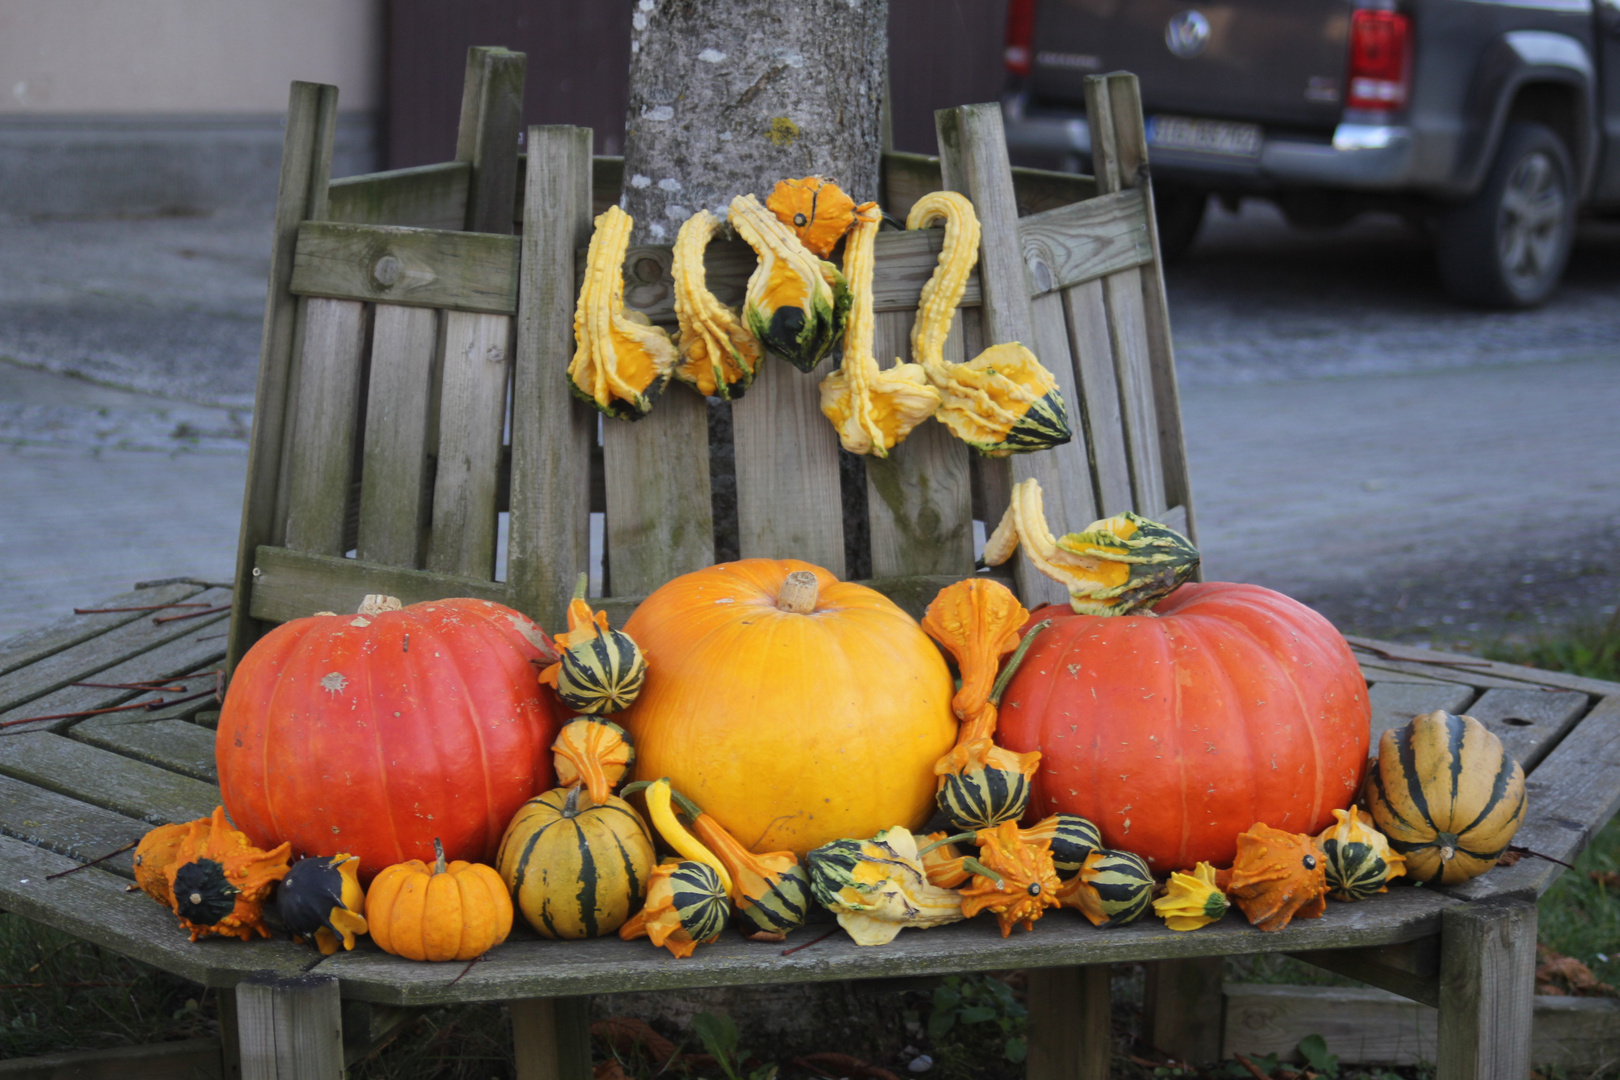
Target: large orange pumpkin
(795,710)
(1176,731)
(374,733)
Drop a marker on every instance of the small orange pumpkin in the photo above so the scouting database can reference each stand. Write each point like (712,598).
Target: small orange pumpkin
(1277,876)
(455,911)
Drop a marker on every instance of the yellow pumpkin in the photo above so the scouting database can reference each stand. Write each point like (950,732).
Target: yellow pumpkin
(794,708)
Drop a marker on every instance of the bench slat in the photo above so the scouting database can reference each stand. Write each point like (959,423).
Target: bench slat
(325,416)
(919,499)
(1072,461)
(1483,677)
(32,646)
(660,516)
(527,967)
(92,904)
(67,826)
(119,655)
(477,364)
(1503,674)
(423,197)
(439,268)
(291,584)
(1086,316)
(394,471)
(176,745)
(1085,240)
(123,785)
(1122,296)
(1394,704)
(1529,722)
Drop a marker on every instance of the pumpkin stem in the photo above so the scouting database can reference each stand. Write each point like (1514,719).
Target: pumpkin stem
(438,857)
(581,585)
(799,593)
(974,866)
(1011,669)
(377,603)
(570,804)
(959,838)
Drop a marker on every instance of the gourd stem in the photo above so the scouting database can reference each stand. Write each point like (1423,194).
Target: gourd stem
(688,807)
(582,585)
(633,787)
(1011,669)
(438,857)
(799,593)
(959,838)
(974,866)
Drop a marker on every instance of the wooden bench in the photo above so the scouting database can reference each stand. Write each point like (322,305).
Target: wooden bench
(411,392)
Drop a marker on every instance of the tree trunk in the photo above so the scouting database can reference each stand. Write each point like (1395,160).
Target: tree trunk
(729,96)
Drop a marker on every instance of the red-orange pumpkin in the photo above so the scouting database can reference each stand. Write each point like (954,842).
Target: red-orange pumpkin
(374,733)
(1175,732)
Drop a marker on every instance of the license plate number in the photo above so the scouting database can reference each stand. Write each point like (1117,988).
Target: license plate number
(1204,136)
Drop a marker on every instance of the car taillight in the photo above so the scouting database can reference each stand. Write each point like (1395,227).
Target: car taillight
(1380,50)
(1020,53)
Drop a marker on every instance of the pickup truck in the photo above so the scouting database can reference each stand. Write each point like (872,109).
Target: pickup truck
(1494,121)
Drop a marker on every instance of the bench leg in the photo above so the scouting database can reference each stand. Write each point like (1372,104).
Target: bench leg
(1183,1010)
(289,1028)
(1070,1009)
(552,1038)
(1487,990)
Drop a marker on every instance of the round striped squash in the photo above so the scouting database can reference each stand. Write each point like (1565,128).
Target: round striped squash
(1447,796)
(1072,837)
(576,869)
(1113,888)
(699,900)
(601,675)
(983,798)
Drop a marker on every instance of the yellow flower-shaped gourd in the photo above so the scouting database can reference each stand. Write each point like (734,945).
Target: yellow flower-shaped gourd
(1003,401)
(621,361)
(872,409)
(1113,567)
(719,355)
(795,303)
(1193,900)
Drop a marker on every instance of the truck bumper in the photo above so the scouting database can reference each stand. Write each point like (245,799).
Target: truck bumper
(1370,157)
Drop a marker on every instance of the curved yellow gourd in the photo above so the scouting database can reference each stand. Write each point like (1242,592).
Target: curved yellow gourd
(795,303)
(872,409)
(719,355)
(674,833)
(1003,401)
(620,361)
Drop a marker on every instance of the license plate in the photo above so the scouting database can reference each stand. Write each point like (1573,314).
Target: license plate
(1205,136)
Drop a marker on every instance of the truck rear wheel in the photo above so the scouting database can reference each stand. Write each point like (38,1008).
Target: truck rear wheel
(1178,212)
(1507,246)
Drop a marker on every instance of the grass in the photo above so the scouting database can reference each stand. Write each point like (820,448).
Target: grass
(1592,651)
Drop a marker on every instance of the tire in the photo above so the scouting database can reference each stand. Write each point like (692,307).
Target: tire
(1178,212)
(1507,246)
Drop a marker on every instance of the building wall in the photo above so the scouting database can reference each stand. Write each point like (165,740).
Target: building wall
(173,106)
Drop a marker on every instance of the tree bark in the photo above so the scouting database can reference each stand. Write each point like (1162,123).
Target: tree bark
(729,96)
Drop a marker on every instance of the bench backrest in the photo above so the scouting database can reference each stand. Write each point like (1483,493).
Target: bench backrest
(411,380)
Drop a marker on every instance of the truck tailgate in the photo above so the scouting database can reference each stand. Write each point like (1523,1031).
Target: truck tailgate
(1269,61)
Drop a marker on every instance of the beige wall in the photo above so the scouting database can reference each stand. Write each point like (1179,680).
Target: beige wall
(185,56)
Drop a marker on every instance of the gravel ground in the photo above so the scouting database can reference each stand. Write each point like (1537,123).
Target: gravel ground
(1412,469)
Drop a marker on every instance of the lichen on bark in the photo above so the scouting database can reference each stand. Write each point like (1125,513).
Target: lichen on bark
(729,96)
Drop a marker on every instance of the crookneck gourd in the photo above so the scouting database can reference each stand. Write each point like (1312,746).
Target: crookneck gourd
(576,868)
(795,303)
(598,669)
(443,911)
(1359,862)
(686,907)
(592,752)
(1277,876)
(872,409)
(795,708)
(1192,900)
(1447,795)
(1113,888)
(321,901)
(1013,877)
(1003,401)
(1129,688)
(219,881)
(816,209)
(621,361)
(878,887)
(719,354)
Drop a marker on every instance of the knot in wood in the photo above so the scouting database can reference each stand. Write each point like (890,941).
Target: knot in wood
(386,271)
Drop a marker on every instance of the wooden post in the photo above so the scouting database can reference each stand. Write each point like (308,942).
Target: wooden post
(1487,990)
(1070,1031)
(306,168)
(1183,1010)
(552,1038)
(491,116)
(552,433)
(230,1048)
(973,160)
(289,1028)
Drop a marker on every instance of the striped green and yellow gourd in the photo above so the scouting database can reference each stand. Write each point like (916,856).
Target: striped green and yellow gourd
(1113,888)
(983,797)
(1072,838)
(576,869)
